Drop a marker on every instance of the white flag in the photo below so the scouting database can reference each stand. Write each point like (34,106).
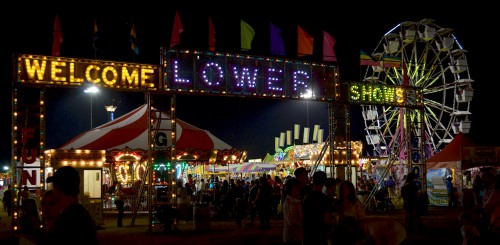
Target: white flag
(296,133)
(306,136)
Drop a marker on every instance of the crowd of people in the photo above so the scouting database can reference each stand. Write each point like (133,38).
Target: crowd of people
(316,210)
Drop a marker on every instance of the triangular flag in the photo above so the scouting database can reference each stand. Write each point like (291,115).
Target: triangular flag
(211,35)
(367,60)
(58,38)
(247,34)
(96,34)
(328,45)
(391,61)
(277,44)
(305,42)
(176,31)
(133,40)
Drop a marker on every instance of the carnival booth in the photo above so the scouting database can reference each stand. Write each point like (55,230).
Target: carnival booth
(453,161)
(125,140)
(89,164)
(309,156)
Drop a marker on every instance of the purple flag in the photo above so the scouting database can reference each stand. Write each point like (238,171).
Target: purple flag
(277,44)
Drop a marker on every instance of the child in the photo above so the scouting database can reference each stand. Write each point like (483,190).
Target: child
(470,233)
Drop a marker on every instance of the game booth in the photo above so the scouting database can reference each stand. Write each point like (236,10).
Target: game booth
(461,159)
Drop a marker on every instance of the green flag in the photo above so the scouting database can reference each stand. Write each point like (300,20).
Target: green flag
(247,34)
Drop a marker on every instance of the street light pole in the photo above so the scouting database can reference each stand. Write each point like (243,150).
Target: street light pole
(92,90)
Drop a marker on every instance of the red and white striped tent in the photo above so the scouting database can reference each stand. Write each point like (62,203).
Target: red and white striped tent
(131,131)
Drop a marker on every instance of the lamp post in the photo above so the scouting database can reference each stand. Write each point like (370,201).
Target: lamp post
(92,90)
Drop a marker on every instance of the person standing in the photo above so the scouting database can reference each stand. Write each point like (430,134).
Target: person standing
(316,212)
(391,185)
(182,203)
(470,233)
(347,203)
(252,196)
(451,192)
(410,194)
(302,174)
(49,212)
(477,188)
(264,203)
(7,200)
(25,193)
(119,203)
(73,224)
(293,231)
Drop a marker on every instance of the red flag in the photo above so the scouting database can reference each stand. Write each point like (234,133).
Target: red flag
(305,42)
(211,35)
(58,38)
(328,45)
(96,34)
(176,31)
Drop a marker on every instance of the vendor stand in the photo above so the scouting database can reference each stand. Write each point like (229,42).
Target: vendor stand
(89,164)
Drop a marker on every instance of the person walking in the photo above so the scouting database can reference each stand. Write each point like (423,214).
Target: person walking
(119,203)
(7,200)
(73,224)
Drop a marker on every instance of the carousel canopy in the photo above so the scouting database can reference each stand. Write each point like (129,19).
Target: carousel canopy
(131,130)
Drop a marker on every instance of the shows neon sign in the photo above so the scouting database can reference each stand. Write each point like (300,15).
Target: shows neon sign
(374,93)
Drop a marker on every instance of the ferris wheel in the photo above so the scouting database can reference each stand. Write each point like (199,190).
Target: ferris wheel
(428,58)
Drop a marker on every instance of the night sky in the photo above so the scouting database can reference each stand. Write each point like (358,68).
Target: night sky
(245,123)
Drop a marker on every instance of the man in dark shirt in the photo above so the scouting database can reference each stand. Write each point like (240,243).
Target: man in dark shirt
(316,215)
(73,224)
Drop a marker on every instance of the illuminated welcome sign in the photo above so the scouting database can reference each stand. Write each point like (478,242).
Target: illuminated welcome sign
(375,93)
(243,75)
(74,72)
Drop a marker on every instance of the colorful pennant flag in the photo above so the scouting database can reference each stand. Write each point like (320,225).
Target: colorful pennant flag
(277,44)
(391,61)
(96,35)
(175,39)
(328,47)
(58,38)
(367,60)
(133,40)
(211,35)
(305,42)
(247,34)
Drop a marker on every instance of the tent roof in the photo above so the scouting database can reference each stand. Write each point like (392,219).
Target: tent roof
(451,153)
(131,130)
